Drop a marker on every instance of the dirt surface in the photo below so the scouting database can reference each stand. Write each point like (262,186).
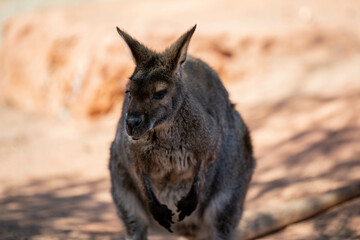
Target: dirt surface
(55,184)
(291,68)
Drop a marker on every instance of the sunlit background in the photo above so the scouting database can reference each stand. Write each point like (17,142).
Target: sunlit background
(291,67)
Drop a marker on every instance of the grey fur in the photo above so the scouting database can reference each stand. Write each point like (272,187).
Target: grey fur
(189,152)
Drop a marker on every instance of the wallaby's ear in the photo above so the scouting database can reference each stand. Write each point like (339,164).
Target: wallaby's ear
(176,53)
(138,51)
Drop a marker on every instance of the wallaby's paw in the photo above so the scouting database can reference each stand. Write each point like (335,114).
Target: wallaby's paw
(187,205)
(163,215)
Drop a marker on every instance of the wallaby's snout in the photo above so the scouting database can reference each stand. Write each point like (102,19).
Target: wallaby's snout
(133,122)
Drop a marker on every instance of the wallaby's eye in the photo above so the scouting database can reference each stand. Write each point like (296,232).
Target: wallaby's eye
(160,94)
(128,92)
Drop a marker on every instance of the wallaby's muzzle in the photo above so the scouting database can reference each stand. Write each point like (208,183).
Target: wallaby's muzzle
(133,125)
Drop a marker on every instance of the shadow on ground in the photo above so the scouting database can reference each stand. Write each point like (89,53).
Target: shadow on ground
(340,222)
(305,146)
(60,208)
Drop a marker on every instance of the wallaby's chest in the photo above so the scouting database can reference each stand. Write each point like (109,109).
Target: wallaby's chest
(171,169)
(170,166)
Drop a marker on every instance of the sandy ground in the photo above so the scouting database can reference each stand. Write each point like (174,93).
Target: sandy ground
(301,100)
(55,184)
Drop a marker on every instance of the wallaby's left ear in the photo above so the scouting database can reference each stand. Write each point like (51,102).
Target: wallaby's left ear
(176,53)
(139,52)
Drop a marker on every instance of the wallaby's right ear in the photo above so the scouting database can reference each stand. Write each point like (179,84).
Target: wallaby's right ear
(176,53)
(139,52)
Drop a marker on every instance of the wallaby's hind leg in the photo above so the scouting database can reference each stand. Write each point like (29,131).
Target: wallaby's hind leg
(227,219)
(226,222)
(128,204)
(135,227)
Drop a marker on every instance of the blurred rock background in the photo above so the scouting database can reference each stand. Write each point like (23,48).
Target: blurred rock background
(291,67)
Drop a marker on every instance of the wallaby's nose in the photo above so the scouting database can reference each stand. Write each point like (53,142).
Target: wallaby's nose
(133,122)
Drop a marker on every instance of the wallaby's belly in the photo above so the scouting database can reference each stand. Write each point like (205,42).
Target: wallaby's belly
(173,182)
(169,190)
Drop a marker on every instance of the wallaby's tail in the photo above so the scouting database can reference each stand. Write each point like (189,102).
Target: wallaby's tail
(256,223)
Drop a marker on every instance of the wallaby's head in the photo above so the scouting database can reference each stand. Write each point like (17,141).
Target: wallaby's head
(155,89)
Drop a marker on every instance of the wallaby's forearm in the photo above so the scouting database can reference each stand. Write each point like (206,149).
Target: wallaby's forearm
(161,213)
(189,203)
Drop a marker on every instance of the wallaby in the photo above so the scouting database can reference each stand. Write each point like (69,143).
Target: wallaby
(182,155)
